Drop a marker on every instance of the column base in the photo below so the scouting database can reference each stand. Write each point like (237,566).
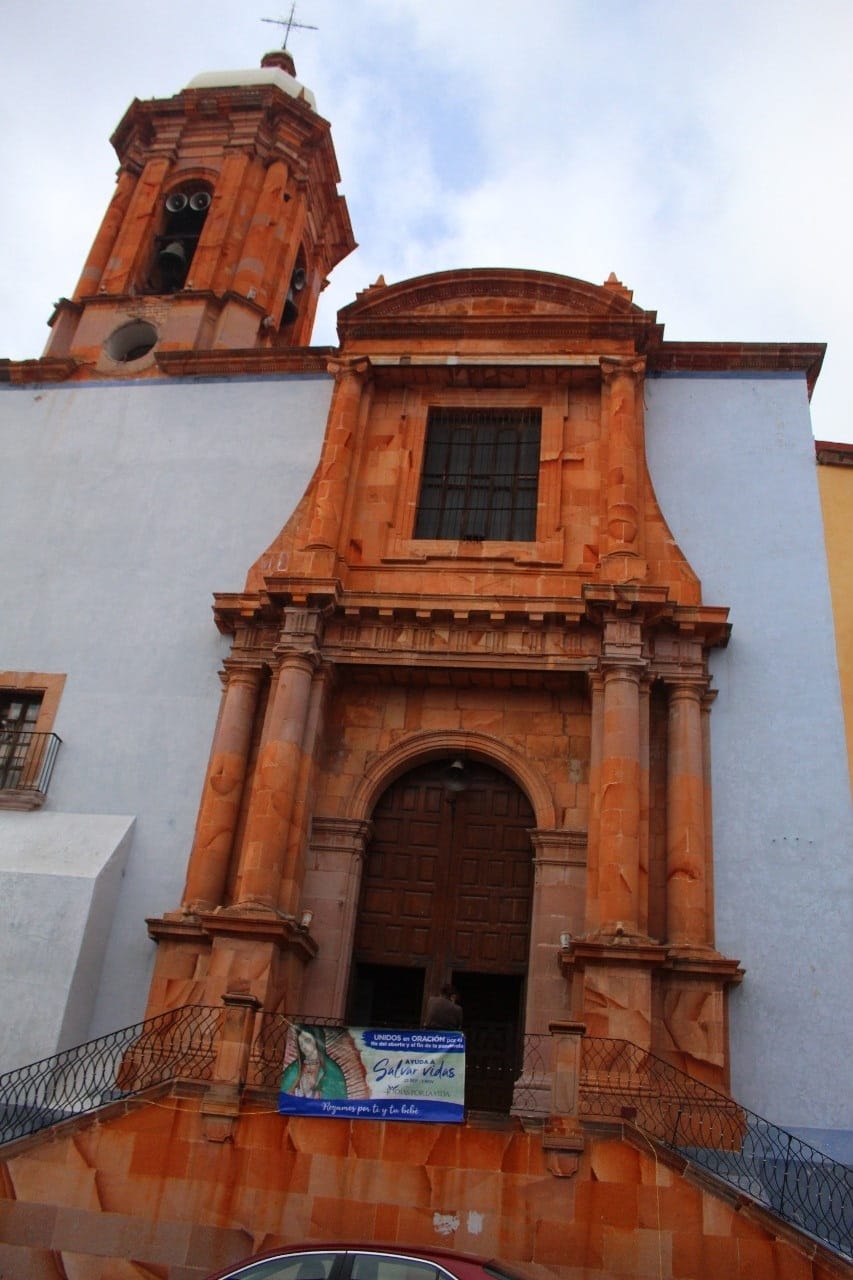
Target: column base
(201,957)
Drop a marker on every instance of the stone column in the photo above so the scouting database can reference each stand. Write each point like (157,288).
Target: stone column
(622,547)
(592,915)
(223,790)
(293,874)
(619,790)
(707,702)
(686,852)
(277,770)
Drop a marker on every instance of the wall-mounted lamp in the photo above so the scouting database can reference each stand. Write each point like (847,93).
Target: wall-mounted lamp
(305,919)
(565,939)
(455,778)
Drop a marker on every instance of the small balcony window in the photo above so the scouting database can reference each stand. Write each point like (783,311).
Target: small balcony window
(27,756)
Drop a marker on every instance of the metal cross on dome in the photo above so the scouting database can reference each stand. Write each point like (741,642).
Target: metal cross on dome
(289,23)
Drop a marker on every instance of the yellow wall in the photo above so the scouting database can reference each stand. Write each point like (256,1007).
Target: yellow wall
(835,480)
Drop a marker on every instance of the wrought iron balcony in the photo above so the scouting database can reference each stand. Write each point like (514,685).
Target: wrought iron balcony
(26,766)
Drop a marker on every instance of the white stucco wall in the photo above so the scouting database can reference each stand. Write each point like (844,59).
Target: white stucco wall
(124,508)
(732,462)
(60,878)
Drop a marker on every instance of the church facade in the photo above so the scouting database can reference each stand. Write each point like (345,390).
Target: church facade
(529,688)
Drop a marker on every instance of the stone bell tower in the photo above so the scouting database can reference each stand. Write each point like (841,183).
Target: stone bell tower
(225,222)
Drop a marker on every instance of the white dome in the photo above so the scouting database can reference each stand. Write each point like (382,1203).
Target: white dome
(255,76)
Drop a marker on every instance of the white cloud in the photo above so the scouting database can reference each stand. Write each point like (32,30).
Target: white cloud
(701,153)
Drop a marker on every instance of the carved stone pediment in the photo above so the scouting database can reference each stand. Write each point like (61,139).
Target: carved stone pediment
(486,296)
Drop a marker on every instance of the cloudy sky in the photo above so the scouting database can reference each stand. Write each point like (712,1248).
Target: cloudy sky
(702,152)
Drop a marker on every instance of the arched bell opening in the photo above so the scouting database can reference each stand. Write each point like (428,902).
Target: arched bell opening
(184,212)
(446,897)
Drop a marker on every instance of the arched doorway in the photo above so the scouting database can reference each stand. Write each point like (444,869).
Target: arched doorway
(446,896)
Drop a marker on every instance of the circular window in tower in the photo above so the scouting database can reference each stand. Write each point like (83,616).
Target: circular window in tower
(131,341)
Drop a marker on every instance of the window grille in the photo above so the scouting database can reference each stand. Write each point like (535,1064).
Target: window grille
(481,475)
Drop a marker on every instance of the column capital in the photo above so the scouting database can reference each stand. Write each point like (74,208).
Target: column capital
(356,367)
(341,835)
(299,638)
(561,846)
(622,366)
(690,688)
(241,671)
(623,668)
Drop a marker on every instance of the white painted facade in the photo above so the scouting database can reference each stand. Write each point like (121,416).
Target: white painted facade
(125,506)
(128,505)
(732,462)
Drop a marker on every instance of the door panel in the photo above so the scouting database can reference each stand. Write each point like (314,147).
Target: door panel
(448,877)
(446,890)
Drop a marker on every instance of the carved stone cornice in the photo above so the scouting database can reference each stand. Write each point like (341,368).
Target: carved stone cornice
(559,847)
(340,835)
(260,925)
(633,952)
(728,357)
(695,962)
(209,364)
(22,373)
(704,962)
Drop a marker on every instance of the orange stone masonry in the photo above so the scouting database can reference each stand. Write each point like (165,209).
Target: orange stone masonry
(540,657)
(266,159)
(145,1193)
(484,759)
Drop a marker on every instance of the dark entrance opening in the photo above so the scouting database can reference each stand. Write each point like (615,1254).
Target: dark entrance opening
(493,1010)
(446,897)
(386,995)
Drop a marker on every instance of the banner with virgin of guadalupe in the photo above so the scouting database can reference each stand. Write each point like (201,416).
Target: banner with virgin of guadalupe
(356,1073)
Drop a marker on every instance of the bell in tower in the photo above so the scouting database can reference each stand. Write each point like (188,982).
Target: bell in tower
(224,226)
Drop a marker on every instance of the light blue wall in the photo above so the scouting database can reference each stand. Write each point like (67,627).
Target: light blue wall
(732,462)
(124,507)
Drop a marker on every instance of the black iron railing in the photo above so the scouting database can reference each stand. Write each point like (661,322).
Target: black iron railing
(27,760)
(809,1189)
(179,1044)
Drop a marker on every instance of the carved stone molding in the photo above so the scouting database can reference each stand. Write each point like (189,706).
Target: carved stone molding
(559,847)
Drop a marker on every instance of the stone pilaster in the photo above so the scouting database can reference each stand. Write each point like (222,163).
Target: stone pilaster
(336,464)
(252,278)
(559,874)
(622,551)
(135,236)
(332,889)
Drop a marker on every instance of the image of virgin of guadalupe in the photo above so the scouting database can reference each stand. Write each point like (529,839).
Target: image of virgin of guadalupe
(326,1064)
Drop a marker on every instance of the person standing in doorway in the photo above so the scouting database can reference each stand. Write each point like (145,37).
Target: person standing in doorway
(444,1012)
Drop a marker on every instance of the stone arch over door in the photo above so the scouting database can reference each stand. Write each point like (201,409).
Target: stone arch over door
(446,895)
(419,748)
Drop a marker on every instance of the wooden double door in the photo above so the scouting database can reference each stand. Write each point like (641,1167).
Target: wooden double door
(446,897)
